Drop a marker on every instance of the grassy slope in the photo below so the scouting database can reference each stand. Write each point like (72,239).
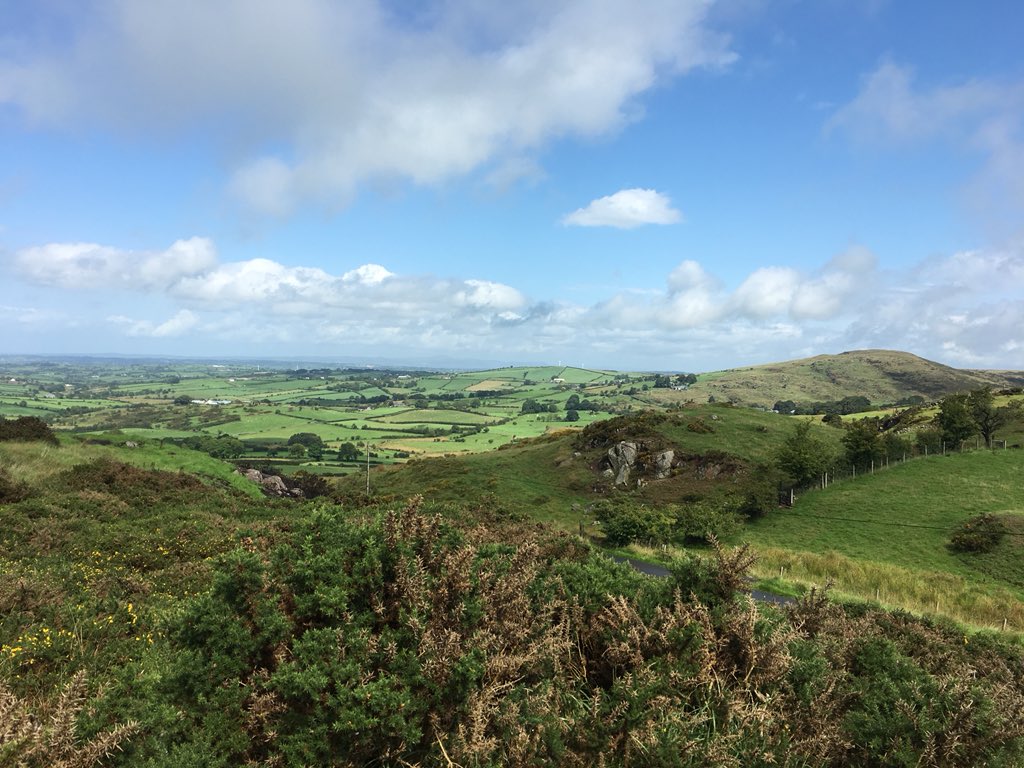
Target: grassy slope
(889,532)
(882,376)
(552,481)
(548,476)
(36,463)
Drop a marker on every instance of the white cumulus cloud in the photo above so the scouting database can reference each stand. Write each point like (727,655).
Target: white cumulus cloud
(88,265)
(350,92)
(963,308)
(626,209)
(180,323)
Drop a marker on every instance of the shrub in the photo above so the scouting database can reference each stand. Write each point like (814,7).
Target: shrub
(33,736)
(981,533)
(625,521)
(11,490)
(311,484)
(26,428)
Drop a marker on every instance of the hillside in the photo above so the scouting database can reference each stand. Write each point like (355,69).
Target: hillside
(886,535)
(155,618)
(883,376)
(718,452)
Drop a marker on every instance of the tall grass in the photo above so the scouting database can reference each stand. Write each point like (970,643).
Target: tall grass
(922,592)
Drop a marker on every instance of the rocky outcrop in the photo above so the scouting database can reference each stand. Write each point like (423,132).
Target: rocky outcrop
(621,459)
(273,485)
(627,458)
(663,463)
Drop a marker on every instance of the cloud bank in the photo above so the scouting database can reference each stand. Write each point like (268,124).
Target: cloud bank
(964,308)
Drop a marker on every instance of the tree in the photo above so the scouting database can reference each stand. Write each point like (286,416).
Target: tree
(313,444)
(802,456)
(347,452)
(863,442)
(297,451)
(986,416)
(572,415)
(853,404)
(955,419)
(573,402)
(832,419)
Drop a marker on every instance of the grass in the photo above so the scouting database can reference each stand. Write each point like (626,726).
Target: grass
(924,592)
(903,515)
(435,416)
(888,532)
(541,479)
(37,463)
(749,434)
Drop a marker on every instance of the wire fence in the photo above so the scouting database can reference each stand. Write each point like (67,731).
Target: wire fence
(845,473)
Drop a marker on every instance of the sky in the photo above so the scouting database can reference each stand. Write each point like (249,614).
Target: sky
(646,185)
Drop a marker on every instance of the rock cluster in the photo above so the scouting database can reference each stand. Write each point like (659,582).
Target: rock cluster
(272,485)
(621,461)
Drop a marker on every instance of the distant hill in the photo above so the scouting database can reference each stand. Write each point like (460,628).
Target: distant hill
(883,376)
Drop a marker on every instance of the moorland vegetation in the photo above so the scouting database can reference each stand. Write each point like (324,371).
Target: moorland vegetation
(158,609)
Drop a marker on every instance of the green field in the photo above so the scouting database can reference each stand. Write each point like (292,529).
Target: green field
(886,534)
(394,411)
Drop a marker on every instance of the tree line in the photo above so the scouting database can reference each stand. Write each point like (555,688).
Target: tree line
(804,458)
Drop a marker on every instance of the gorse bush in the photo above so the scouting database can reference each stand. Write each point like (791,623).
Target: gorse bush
(11,490)
(981,533)
(239,631)
(398,638)
(46,736)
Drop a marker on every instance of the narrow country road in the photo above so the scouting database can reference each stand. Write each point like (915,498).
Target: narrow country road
(661,572)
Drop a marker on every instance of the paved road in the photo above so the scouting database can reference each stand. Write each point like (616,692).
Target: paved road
(661,572)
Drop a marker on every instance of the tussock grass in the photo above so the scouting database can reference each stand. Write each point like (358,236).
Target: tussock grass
(920,592)
(36,462)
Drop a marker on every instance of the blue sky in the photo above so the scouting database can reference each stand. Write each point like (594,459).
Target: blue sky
(644,185)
